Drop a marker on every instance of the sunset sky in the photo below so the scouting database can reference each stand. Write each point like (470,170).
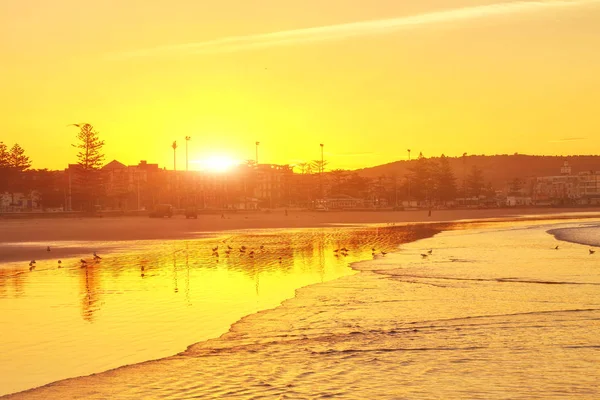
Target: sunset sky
(367,79)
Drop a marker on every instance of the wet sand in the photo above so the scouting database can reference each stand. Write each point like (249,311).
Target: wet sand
(26,239)
(152,299)
(489,314)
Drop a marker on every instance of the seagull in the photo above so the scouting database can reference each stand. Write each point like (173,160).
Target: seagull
(242,251)
(97,257)
(243,247)
(383,253)
(83,263)
(336,250)
(251,253)
(424,255)
(216,254)
(215,249)
(556,248)
(59,264)
(229,247)
(592,251)
(48,248)
(373,254)
(32,265)
(373,249)
(430,251)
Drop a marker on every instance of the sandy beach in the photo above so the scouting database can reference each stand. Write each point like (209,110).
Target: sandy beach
(26,239)
(489,312)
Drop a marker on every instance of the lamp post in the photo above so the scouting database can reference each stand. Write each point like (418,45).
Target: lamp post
(256,152)
(174,146)
(321,170)
(187,139)
(464,157)
(408,179)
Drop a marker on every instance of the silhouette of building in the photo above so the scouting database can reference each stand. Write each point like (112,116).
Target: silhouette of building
(567,188)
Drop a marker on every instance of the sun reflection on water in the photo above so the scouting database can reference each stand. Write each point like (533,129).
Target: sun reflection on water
(161,296)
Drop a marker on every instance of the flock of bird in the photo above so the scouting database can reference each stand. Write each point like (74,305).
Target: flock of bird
(83,262)
(242,250)
(589,250)
(245,250)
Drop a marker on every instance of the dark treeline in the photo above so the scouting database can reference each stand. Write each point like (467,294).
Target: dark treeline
(497,170)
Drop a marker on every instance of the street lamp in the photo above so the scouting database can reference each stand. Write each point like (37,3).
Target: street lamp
(187,139)
(464,157)
(321,170)
(174,146)
(256,151)
(408,179)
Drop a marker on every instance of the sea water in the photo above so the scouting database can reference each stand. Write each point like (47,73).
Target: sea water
(490,312)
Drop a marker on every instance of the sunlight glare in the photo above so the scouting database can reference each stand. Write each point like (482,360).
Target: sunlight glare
(217,163)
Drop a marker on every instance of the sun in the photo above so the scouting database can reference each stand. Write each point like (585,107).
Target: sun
(216,163)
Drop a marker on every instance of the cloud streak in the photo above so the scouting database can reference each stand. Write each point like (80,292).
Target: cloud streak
(571,139)
(350,30)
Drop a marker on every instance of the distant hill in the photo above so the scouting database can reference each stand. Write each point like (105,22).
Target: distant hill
(498,169)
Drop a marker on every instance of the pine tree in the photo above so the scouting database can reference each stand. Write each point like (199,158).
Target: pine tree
(4,168)
(420,178)
(3,155)
(90,156)
(475,182)
(445,180)
(17,159)
(89,159)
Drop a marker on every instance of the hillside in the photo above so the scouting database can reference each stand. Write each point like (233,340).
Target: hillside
(497,169)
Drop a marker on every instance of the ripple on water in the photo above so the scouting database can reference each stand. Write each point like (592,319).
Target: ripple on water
(153,299)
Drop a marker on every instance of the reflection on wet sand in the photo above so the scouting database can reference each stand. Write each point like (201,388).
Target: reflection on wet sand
(512,318)
(159,297)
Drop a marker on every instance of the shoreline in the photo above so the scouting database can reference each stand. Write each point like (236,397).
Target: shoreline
(415,232)
(408,232)
(22,240)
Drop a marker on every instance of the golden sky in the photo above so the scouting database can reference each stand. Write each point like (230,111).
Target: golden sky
(367,79)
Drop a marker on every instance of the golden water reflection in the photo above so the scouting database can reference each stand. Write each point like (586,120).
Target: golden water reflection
(160,297)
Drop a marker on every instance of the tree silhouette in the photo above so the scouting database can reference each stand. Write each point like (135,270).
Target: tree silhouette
(420,178)
(3,155)
(89,160)
(17,159)
(445,182)
(90,156)
(4,168)
(475,182)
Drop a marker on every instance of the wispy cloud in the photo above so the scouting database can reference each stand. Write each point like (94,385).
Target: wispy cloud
(349,30)
(572,139)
